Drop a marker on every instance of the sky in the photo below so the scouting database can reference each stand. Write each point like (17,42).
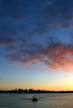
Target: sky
(36,44)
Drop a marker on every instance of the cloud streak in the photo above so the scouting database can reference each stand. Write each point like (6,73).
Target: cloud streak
(7,41)
(56,56)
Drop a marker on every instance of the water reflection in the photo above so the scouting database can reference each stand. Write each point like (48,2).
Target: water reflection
(48,101)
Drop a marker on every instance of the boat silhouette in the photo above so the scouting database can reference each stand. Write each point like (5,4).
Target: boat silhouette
(34,99)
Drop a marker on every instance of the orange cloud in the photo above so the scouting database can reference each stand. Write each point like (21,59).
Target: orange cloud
(26,64)
(57,58)
(34,59)
(61,58)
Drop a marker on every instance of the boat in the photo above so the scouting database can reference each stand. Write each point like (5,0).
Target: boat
(34,99)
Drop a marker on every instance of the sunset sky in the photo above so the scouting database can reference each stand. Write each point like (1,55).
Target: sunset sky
(36,44)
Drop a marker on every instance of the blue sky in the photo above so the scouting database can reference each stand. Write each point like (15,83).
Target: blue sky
(36,43)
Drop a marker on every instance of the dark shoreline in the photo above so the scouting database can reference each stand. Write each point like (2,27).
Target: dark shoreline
(32,91)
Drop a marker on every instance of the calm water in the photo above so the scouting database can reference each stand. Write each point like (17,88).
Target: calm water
(47,101)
